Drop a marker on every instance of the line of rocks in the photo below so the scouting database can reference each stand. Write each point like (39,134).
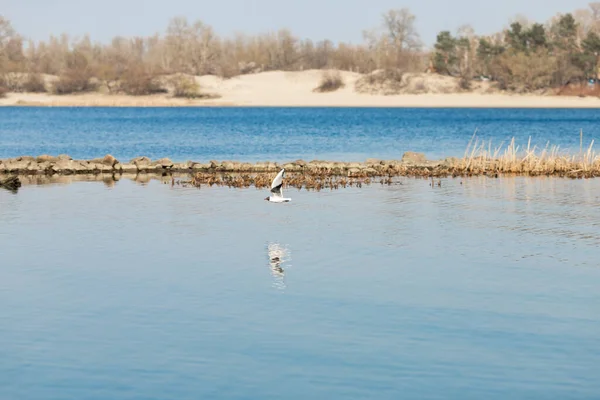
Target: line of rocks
(66,165)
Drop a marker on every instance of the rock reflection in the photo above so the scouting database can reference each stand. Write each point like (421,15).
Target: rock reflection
(278,256)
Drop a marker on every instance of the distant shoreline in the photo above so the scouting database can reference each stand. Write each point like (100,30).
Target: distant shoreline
(453,100)
(295,89)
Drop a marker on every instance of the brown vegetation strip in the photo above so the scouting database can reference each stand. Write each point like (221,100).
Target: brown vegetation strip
(479,159)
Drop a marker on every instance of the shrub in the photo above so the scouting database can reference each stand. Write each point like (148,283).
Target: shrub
(73,81)
(464,83)
(34,84)
(185,87)
(330,82)
(138,82)
(525,73)
(387,82)
(23,82)
(3,91)
(12,81)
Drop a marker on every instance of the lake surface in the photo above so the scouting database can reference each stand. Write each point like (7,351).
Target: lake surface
(282,134)
(482,290)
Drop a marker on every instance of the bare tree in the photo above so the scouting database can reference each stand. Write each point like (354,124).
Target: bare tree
(7,34)
(401,30)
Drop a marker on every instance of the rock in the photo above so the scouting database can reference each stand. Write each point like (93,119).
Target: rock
(300,163)
(68,166)
(181,166)
(450,162)
(273,167)
(337,167)
(38,167)
(414,158)
(227,166)
(141,161)
(164,163)
(237,166)
(106,160)
(109,160)
(46,158)
(63,164)
(96,167)
(128,168)
(64,157)
(353,172)
(200,167)
(373,161)
(185,165)
(17,165)
(25,158)
(291,167)
(261,167)
(246,167)
(390,163)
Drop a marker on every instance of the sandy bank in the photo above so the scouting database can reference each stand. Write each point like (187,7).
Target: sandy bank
(295,89)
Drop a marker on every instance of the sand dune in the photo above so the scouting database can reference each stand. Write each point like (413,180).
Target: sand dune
(280,88)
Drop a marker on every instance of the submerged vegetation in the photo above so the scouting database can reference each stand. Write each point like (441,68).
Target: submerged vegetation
(559,55)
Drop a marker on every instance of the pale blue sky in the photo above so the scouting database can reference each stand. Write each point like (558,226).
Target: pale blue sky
(314,19)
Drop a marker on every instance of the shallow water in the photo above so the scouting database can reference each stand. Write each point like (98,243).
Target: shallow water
(485,289)
(282,134)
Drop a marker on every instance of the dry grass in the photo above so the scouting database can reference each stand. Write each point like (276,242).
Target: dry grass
(395,82)
(386,81)
(579,90)
(330,82)
(479,158)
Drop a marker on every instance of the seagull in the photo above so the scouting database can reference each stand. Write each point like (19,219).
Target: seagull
(277,189)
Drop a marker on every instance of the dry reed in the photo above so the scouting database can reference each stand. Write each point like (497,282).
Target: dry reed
(480,158)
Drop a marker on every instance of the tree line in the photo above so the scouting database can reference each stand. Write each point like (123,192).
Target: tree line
(525,56)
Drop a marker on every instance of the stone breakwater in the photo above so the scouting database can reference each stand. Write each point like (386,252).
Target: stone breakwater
(411,164)
(66,165)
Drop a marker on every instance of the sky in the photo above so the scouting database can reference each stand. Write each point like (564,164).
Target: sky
(340,20)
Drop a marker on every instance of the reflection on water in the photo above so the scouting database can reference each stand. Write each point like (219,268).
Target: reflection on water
(278,256)
(482,290)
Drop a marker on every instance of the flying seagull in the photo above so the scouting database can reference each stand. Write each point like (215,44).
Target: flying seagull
(277,189)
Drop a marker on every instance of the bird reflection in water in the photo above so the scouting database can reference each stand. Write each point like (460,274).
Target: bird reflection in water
(278,256)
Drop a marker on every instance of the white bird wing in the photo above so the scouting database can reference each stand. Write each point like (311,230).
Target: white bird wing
(277,184)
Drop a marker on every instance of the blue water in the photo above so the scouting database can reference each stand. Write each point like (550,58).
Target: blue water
(482,290)
(478,289)
(281,134)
